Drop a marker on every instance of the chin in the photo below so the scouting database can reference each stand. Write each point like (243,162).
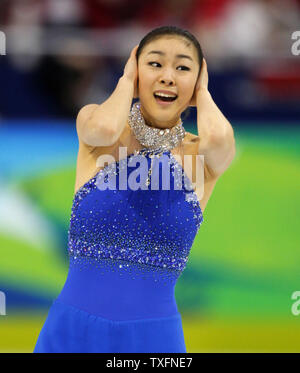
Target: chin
(159,113)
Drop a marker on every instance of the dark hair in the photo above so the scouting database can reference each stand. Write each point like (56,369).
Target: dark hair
(170,30)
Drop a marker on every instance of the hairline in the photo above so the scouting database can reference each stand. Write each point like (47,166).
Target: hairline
(183,38)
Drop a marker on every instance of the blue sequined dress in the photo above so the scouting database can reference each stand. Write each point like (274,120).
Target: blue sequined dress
(127,247)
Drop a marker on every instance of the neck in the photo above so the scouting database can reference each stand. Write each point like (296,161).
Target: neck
(149,124)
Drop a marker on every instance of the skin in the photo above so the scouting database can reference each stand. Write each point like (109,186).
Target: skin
(168,72)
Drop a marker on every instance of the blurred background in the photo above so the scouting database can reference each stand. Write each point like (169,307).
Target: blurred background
(235,294)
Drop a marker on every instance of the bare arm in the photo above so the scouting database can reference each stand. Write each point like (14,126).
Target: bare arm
(102,125)
(217,142)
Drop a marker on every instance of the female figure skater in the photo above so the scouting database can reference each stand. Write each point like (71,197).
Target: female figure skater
(129,241)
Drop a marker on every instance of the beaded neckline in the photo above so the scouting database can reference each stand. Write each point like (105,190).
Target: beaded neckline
(146,151)
(151,137)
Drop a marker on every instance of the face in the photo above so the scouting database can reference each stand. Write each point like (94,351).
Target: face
(169,63)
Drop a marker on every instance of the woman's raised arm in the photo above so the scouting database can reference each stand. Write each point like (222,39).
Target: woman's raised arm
(217,142)
(102,125)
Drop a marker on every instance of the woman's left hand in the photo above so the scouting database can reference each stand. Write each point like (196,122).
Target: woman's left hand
(201,85)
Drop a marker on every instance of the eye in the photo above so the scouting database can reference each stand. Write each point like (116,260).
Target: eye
(184,67)
(150,63)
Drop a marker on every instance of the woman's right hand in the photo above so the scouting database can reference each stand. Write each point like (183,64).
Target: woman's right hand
(131,70)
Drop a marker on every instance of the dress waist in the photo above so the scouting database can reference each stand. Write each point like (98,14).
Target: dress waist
(120,290)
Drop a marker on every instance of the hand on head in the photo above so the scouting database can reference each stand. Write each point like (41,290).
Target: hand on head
(202,83)
(131,70)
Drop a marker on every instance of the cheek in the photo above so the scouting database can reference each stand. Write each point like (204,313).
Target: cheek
(143,88)
(187,89)
(145,85)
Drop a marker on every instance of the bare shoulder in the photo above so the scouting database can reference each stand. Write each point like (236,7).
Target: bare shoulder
(190,137)
(193,137)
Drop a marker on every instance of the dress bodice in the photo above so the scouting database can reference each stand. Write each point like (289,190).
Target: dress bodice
(154,225)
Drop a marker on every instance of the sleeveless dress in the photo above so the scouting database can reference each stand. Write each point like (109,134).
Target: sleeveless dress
(128,243)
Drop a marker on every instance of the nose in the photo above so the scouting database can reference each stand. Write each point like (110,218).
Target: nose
(167,78)
(167,81)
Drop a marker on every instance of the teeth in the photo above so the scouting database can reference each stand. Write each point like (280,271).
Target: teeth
(164,95)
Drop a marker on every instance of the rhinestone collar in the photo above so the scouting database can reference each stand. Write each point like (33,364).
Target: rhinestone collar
(154,138)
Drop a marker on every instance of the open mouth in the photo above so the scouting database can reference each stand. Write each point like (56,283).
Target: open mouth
(164,98)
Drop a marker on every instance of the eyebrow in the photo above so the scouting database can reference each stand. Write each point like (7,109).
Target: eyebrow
(177,55)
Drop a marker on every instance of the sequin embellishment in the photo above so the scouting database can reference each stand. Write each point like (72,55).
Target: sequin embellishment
(147,229)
